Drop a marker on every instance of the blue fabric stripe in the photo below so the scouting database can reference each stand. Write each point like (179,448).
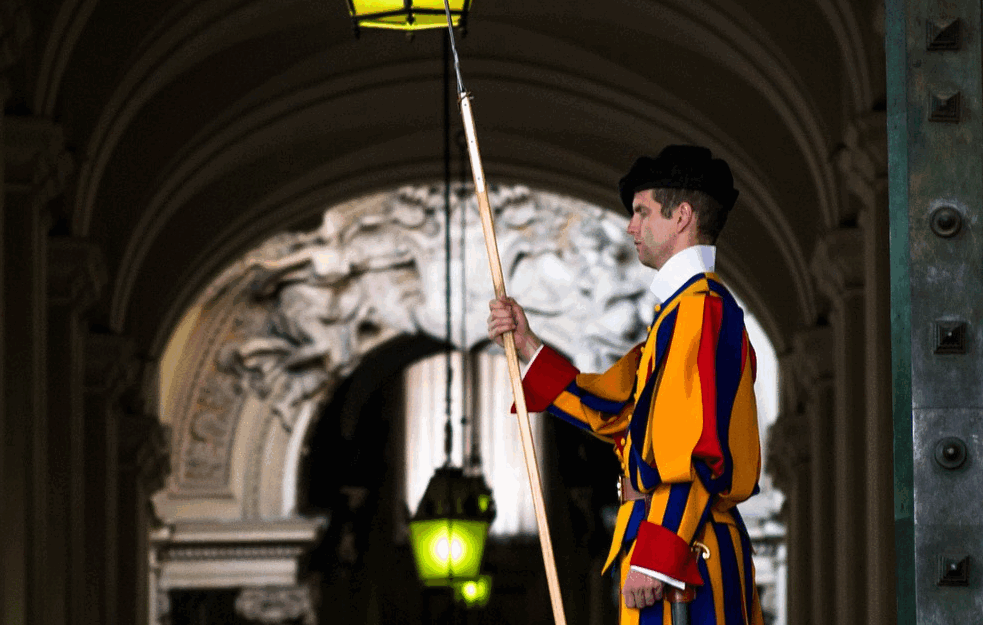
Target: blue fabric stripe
(702,610)
(556,412)
(748,564)
(733,612)
(634,522)
(728,373)
(639,468)
(651,615)
(689,283)
(594,402)
(676,506)
(643,403)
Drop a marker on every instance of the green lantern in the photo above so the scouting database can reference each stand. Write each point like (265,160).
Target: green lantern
(450,527)
(406,14)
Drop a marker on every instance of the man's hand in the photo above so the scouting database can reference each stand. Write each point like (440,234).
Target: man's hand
(507,316)
(640,590)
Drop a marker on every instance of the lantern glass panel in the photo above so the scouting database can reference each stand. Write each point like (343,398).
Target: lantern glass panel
(393,14)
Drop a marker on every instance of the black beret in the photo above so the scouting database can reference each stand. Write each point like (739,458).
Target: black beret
(680,167)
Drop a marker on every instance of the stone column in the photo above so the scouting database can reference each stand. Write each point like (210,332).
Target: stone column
(35,167)
(76,277)
(789,465)
(838,268)
(110,370)
(862,163)
(144,464)
(814,371)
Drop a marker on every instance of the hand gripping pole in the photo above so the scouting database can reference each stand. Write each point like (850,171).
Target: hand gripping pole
(515,375)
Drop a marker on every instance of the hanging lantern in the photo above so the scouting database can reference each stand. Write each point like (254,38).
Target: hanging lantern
(450,527)
(406,14)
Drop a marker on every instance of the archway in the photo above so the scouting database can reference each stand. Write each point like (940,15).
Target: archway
(310,323)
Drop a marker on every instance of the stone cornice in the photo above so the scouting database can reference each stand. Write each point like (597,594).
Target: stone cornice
(76,272)
(838,262)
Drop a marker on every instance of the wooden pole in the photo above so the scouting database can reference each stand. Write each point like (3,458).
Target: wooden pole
(515,374)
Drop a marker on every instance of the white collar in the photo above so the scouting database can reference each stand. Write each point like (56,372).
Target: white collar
(680,268)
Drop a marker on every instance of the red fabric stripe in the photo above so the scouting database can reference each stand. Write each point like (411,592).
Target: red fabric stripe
(754,357)
(549,374)
(662,551)
(708,447)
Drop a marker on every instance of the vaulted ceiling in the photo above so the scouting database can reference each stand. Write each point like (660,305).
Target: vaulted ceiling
(198,128)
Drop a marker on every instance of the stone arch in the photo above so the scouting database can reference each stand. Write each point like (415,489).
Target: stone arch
(269,340)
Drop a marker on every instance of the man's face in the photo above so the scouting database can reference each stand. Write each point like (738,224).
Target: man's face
(654,235)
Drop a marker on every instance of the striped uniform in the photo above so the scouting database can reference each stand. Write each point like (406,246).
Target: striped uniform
(681,413)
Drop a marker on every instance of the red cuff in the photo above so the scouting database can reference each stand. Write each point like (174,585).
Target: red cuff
(663,551)
(546,378)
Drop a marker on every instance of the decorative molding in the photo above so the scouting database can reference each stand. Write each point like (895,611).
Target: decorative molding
(36,163)
(240,553)
(76,272)
(862,159)
(15,31)
(144,448)
(838,263)
(110,364)
(812,360)
(788,448)
(277,605)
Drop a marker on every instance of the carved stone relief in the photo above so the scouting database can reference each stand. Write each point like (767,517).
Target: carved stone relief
(296,315)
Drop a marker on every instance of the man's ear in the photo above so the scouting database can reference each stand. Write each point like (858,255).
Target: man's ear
(684,216)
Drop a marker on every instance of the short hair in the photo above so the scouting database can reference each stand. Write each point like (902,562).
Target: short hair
(710,214)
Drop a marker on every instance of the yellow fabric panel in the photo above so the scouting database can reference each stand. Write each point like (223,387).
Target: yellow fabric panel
(709,539)
(615,384)
(624,513)
(675,420)
(744,443)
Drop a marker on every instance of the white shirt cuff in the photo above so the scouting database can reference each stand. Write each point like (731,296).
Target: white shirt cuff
(659,576)
(526,366)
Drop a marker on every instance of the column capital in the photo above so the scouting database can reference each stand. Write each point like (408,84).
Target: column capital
(838,262)
(788,447)
(111,365)
(76,272)
(36,163)
(145,449)
(812,360)
(861,158)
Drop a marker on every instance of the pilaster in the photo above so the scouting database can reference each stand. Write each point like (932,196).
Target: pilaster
(110,371)
(839,270)
(862,165)
(35,166)
(801,457)
(76,277)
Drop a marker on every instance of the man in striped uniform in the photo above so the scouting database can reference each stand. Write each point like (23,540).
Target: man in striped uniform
(678,408)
